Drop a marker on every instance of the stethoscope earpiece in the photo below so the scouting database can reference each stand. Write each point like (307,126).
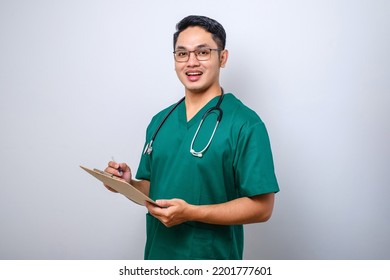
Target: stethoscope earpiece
(149,149)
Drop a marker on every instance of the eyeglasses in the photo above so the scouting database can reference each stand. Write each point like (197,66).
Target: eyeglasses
(200,54)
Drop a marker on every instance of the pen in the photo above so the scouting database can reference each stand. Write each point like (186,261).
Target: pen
(119,168)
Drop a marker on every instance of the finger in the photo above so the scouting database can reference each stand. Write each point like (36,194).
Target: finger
(151,207)
(123,165)
(164,203)
(115,168)
(111,170)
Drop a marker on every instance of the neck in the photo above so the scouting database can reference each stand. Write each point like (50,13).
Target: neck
(197,100)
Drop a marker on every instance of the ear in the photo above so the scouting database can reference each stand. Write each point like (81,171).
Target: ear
(224,58)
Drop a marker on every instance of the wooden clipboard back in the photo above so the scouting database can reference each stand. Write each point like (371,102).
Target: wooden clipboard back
(119,185)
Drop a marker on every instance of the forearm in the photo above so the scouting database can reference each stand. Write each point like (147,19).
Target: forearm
(243,210)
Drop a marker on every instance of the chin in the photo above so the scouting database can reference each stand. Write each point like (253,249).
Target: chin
(196,88)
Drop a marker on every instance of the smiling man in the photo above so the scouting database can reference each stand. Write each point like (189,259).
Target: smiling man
(207,159)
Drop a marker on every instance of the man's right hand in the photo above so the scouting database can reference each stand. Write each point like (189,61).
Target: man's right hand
(120,170)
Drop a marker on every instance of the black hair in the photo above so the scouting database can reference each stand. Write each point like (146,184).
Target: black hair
(210,25)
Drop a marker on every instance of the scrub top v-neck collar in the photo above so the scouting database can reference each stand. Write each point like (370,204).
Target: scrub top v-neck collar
(182,114)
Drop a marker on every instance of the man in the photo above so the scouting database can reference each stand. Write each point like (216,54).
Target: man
(209,165)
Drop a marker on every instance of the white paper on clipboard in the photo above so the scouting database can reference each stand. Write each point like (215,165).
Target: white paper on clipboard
(119,185)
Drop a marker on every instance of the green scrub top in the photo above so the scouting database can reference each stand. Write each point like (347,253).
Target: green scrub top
(238,163)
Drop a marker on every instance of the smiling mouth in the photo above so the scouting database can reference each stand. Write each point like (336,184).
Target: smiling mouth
(194,73)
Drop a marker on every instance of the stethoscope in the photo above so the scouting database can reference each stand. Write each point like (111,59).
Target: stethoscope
(149,149)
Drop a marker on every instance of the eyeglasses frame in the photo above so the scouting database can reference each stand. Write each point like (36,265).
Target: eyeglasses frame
(196,56)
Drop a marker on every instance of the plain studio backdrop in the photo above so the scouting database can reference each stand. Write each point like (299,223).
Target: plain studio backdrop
(80,81)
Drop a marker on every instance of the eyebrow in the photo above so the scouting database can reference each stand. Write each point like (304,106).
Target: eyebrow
(197,47)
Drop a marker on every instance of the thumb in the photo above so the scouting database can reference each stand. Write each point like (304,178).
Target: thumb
(163,203)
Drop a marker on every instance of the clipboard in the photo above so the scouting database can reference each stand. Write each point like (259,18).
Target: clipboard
(120,186)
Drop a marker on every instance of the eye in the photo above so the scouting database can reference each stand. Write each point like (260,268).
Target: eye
(181,53)
(203,52)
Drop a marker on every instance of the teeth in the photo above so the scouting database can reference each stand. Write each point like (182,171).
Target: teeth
(193,74)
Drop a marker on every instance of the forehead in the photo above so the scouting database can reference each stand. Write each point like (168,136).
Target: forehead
(195,36)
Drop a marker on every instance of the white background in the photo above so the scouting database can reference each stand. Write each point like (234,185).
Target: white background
(80,80)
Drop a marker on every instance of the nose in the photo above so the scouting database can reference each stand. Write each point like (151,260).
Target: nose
(192,60)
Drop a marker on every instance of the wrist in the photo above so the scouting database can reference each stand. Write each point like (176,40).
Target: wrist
(193,213)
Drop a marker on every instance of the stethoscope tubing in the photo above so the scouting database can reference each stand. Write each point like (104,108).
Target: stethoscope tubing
(149,148)
(200,153)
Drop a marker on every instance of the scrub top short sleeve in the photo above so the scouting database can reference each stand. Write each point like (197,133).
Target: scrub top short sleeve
(253,162)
